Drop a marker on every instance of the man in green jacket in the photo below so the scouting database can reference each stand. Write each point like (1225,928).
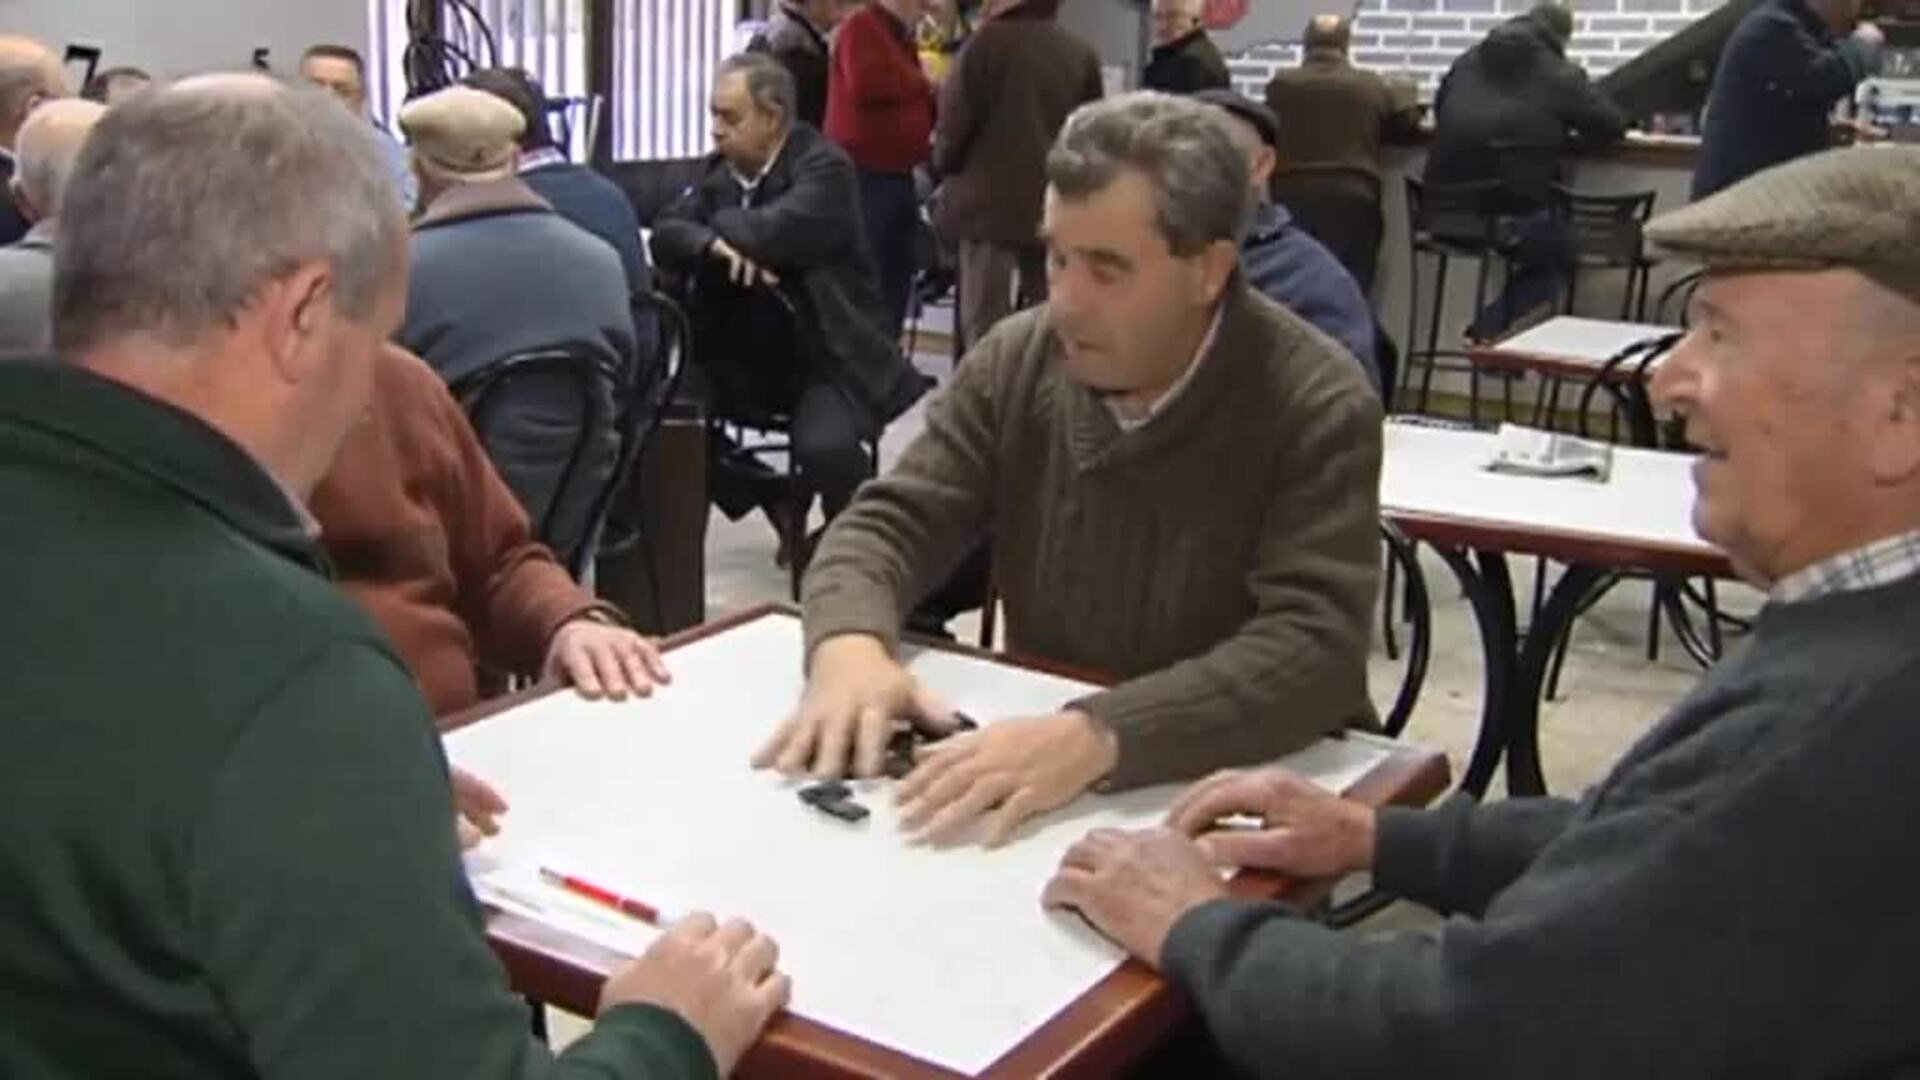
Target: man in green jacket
(225,849)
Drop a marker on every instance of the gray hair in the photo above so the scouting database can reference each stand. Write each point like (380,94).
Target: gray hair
(1200,183)
(187,201)
(769,83)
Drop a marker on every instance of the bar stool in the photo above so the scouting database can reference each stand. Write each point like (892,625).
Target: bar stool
(1608,235)
(1447,222)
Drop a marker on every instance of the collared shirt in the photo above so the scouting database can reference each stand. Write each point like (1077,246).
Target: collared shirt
(541,158)
(1179,386)
(1882,562)
(749,185)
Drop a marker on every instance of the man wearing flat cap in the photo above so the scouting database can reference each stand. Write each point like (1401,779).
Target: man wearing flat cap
(497,274)
(1280,259)
(1686,917)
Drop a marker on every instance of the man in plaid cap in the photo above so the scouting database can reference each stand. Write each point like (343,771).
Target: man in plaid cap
(1684,918)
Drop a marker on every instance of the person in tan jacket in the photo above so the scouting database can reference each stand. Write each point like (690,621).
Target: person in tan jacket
(1181,480)
(1014,84)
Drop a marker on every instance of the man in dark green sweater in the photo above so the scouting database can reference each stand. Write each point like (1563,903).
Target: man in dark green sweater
(225,846)
(1698,912)
(1181,482)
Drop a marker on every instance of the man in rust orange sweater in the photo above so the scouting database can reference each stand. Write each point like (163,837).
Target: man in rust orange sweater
(426,536)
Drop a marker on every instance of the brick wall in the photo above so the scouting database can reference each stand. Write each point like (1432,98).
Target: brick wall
(1422,37)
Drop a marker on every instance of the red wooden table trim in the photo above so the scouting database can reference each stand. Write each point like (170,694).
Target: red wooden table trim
(1563,546)
(1112,1024)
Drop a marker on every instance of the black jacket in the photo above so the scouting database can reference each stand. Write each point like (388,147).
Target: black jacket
(800,47)
(1508,109)
(1776,86)
(1186,65)
(803,222)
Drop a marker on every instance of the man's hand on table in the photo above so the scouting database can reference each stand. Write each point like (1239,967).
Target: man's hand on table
(477,807)
(722,980)
(601,659)
(1304,831)
(1005,772)
(1135,886)
(855,693)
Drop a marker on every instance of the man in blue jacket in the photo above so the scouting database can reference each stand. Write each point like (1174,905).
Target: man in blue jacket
(1281,260)
(1778,80)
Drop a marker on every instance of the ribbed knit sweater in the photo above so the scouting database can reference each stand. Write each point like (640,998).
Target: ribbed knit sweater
(1222,559)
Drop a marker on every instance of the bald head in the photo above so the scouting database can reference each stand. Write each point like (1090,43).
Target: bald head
(29,74)
(1175,19)
(1328,33)
(48,144)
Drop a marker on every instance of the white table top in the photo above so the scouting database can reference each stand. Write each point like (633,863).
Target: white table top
(1435,473)
(1590,342)
(944,954)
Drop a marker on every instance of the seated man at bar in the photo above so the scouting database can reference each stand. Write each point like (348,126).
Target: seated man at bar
(1506,112)
(1693,914)
(226,849)
(1181,482)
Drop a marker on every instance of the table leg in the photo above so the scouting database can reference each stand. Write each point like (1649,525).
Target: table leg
(1489,589)
(1529,677)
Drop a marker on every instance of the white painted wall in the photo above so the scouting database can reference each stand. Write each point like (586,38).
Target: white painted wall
(173,37)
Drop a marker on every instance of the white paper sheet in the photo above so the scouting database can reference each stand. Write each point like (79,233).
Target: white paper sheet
(942,954)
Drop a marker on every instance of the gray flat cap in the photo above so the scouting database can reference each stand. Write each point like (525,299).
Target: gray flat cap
(1858,207)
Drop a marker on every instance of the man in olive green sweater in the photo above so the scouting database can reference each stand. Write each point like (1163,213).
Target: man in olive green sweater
(1181,482)
(225,847)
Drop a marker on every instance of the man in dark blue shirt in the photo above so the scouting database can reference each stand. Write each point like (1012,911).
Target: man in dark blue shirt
(1778,80)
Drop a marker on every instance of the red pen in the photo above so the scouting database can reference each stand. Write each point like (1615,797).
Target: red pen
(605,897)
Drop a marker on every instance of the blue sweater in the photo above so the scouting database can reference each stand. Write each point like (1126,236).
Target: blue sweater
(597,205)
(1297,272)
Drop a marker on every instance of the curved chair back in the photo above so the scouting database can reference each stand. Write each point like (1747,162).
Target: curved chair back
(495,398)
(643,407)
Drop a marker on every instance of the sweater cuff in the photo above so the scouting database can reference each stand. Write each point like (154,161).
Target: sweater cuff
(832,611)
(1406,848)
(637,1039)
(1127,719)
(1207,932)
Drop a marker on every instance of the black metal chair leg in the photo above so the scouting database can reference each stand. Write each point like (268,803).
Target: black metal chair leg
(1388,582)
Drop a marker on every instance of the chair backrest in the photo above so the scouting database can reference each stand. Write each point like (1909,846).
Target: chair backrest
(1607,229)
(1456,215)
(1674,307)
(752,347)
(1629,396)
(550,493)
(643,407)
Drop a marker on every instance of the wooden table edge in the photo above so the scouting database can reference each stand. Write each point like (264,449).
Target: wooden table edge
(1112,1023)
(1564,545)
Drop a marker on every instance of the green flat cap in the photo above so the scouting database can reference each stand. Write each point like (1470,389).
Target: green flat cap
(1858,207)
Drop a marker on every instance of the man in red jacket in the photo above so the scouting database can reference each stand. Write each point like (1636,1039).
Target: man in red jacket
(880,108)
